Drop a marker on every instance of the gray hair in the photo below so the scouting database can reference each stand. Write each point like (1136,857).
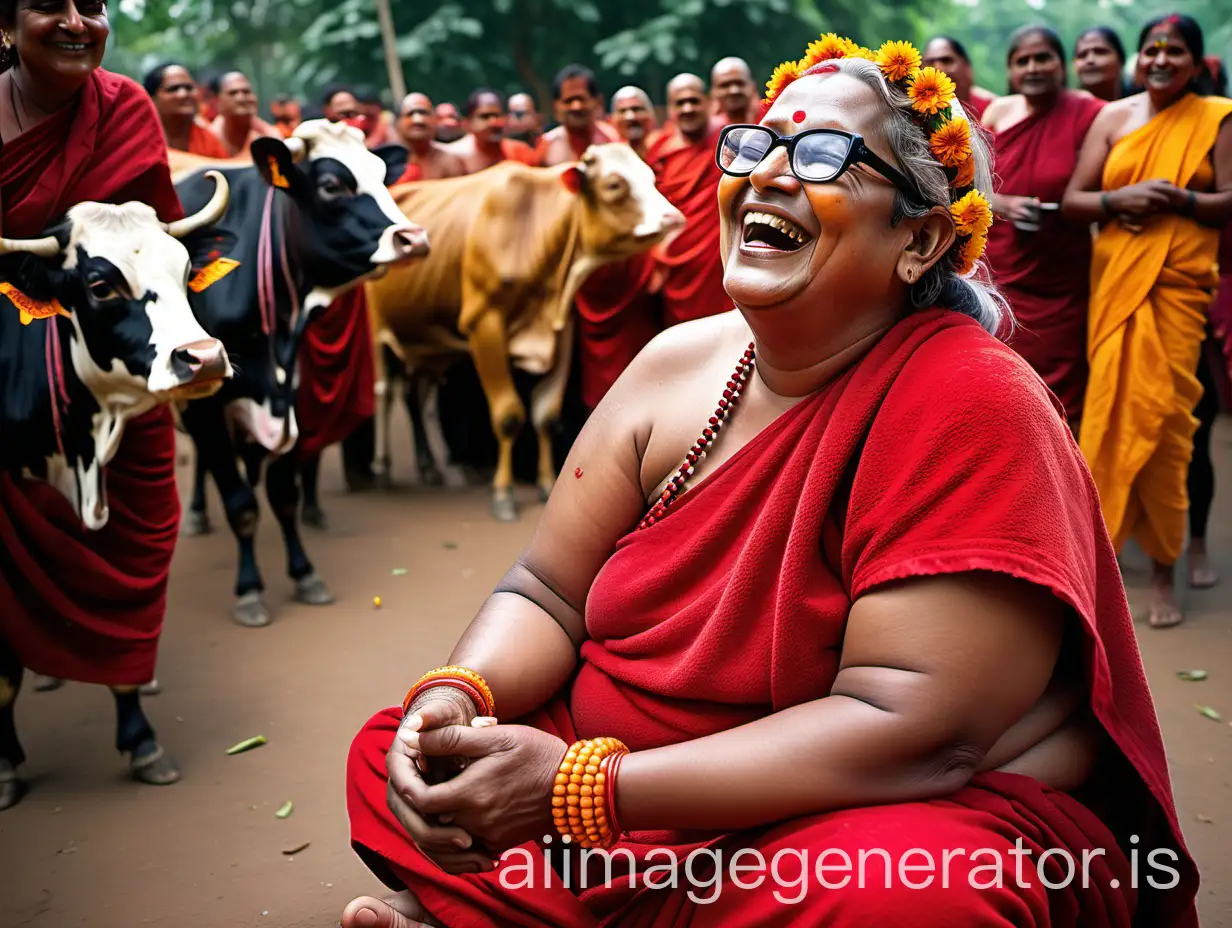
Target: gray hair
(974,296)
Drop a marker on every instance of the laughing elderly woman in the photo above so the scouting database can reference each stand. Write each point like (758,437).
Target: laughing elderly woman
(865,630)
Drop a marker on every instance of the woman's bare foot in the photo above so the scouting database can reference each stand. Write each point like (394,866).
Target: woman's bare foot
(400,911)
(1202,575)
(1165,611)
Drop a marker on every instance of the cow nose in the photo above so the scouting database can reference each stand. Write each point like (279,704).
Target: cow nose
(201,361)
(410,242)
(673,219)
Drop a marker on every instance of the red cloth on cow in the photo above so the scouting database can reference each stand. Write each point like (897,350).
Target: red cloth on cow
(689,178)
(616,320)
(939,452)
(1046,274)
(336,377)
(81,605)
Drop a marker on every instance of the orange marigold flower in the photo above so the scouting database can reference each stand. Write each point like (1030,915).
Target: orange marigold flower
(783,75)
(931,91)
(827,47)
(951,144)
(866,53)
(965,176)
(972,214)
(970,252)
(898,60)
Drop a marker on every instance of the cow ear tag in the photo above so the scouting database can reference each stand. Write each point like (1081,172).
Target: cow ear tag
(276,177)
(572,179)
(212,273)
(31,308)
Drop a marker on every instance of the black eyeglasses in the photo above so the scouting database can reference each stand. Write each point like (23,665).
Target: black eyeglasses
(816,156)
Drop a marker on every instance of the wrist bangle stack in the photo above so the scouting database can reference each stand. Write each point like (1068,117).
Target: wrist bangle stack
(458,678)
(584,794)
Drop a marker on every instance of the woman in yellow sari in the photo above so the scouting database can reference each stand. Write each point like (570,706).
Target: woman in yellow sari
(1156,170)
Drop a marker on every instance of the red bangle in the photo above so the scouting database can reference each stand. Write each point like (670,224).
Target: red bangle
(461,685)
(460,678)
(611,769)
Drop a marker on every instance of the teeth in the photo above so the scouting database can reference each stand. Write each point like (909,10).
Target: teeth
(71,46)
(786,226)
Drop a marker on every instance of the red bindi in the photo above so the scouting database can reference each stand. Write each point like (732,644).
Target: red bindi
(799,116)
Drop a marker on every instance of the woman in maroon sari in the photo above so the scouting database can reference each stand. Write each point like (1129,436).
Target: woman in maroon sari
(75,604)
(1042,262)
(870,623)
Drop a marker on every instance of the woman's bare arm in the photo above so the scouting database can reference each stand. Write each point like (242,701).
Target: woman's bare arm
(1215,208)
(1082,202)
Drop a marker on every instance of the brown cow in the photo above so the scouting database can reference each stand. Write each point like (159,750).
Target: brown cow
(510,247)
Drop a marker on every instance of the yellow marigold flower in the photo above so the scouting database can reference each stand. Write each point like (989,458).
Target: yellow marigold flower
(898,60)
(971,252)
(951,144)
(931,91)
(783,75)
(866,53)
(827,47)
(972,214)
(965,176)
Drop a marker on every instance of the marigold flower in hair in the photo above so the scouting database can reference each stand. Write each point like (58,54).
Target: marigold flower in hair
(829,46)
(970,252)
(972,214)
(783,75)
(898,60)
(951,143)
(965,176)
(866,53)
(931,91)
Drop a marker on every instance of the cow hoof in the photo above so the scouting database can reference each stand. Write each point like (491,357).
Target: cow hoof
(153,688)
(314,517)
(504,509)
(44,684)
(196,523)
(250,611)
(311,591)
(155,768)
(12,787)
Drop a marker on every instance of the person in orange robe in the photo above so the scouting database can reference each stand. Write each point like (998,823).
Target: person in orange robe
(1156,169)
(485,144)
(576,95)
(237,125)
(870,615)
(75,604)
(176,97)
(683,159)
(1041,260)
(734,91)
(427,159)
(287,114)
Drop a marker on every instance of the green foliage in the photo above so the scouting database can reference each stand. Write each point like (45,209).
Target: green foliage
(448,47)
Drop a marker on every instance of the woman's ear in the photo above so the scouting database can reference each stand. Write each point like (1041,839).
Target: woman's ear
(931,237)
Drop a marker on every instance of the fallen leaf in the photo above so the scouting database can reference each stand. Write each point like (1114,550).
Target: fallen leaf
(247,744)
(298,848)
(399,572)
(450,546)
(1206,820)
(286,810)
(1192,675)
(1210,713)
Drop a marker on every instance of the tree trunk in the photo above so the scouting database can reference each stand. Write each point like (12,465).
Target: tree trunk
(397,82)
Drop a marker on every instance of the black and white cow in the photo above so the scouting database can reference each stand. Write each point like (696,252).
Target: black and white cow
(95,330)
(309,220)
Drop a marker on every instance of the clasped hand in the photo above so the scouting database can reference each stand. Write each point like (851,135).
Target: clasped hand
(500,799)
(1135,203)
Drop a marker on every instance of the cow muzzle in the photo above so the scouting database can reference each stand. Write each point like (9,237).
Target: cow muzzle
(200,367)
(405,243)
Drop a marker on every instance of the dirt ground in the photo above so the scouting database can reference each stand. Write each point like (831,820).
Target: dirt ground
(89,848)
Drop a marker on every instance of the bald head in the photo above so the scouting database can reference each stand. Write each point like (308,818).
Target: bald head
(235,96)
(525,122)
(732,87)
(633,115)
(688,106)
(416,119)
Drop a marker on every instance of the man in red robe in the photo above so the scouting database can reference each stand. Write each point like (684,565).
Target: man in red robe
(238,125)
(577,102)
(427,159)
(175,94)
(75,604)
(683,158)
(734,91)
(485,144)
(525,123)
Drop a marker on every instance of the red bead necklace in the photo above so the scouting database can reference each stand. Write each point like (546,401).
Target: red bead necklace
(727,405)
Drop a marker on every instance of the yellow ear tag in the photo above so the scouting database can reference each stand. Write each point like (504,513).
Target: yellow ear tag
(30,308)
(212,273)
(276,177)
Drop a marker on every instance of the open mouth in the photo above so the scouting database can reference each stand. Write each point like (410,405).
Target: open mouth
(773,233)
(73,48)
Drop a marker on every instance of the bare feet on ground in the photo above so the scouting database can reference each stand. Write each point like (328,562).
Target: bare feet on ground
(1202,575)
(400,911)
(1165,611)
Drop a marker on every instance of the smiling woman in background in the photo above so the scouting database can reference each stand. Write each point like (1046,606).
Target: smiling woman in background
(1156,169)
(1099,61)
(1041,260)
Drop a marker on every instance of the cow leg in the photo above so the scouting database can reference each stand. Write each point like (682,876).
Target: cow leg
(12,787)
(283,496)
(386,380)
(135,737)
(310,478)
(419,392)
(489,348)
(547,398)
(197,522)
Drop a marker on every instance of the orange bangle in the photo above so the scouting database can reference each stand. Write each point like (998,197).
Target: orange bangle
(582,794)
(459,678)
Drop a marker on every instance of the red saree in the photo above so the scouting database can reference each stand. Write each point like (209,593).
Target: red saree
(689,178)
(734,606)
(80,605)
(616,320)
(1046,274)
(336,378)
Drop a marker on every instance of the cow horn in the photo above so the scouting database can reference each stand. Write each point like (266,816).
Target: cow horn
(297,147)
(46,247)
(207,215)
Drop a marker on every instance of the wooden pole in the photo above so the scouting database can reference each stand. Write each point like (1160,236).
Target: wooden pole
(393,64)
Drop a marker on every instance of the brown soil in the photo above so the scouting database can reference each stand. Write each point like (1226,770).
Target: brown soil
(89,848)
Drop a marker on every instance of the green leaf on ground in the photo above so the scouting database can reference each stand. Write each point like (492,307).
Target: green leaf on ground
(399,572)
(247,744)
(1192,675)
(1209,713)
(287,808)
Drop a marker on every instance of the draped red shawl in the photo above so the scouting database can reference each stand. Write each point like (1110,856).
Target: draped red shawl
(689,178)
(939,452)
(336,376)
(1046,274)
(616,320)
(76,604)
